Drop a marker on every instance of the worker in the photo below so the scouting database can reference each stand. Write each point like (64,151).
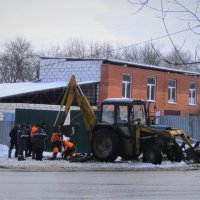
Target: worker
(21,140)
(43,127)
(27,130)
(69,149)
(34,129)
(38,143)
(56,142)
(13,141)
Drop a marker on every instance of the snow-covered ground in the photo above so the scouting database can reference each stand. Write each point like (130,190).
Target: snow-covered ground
(63,165)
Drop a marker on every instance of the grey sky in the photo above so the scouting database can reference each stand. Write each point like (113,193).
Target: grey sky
(52,22)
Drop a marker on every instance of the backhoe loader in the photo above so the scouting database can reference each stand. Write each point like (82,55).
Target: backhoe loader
(123,130)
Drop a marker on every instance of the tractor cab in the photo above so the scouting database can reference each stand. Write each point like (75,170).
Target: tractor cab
(123,111)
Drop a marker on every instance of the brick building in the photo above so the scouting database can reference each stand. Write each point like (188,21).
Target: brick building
(172,92)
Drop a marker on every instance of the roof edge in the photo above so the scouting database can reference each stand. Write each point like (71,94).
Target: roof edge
(129,64)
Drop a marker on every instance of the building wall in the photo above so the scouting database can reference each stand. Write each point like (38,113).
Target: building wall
(59,69)
(111,86)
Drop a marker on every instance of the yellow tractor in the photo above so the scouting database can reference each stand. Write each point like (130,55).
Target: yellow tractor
(123,130)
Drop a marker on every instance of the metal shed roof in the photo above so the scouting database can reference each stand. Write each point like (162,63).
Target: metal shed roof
(13,89)
(42,92)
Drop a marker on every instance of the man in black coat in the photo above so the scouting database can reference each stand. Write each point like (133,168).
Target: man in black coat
(13,141)
(27,130)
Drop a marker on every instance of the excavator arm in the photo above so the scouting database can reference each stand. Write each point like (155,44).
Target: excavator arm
(73,93)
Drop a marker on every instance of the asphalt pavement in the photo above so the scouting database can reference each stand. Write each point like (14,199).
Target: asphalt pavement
(24,185)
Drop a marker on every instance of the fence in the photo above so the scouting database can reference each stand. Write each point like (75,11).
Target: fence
(189,124)
(5,127)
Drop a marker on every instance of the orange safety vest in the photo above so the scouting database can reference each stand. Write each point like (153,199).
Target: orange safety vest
(55,150)
(55,137)
(34,129)
(67,145)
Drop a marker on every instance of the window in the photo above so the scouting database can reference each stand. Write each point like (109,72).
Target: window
(151,89)
(108,114)
(138,112)
(192,94)
(171,91)
(126,85)
(122,114)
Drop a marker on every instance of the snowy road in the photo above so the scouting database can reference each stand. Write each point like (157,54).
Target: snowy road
(138,185)
(61,180)
(63,165)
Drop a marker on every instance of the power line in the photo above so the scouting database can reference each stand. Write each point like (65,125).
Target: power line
(129,46)
(161,37)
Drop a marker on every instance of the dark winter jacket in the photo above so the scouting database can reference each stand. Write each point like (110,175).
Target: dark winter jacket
(21,135)
(38,139)
(13,133)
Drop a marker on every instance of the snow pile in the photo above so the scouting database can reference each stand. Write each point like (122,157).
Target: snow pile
(63,165)
(3,151)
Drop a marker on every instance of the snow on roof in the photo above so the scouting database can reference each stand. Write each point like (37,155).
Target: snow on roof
(12,89)
(118,100)
(160,68)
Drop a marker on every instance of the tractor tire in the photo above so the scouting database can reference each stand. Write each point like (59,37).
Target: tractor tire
(152,154)
(105,145)
(175,155)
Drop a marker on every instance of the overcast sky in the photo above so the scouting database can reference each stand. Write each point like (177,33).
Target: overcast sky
(52,22)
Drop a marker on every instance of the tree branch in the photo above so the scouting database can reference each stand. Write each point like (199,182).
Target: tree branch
(166,29)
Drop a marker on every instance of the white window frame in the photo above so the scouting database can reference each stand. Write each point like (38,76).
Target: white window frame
(192,94)
(125,85)
(150,89)
(171,91)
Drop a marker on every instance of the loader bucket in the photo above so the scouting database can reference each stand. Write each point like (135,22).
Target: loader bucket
(192,154)
(185,148)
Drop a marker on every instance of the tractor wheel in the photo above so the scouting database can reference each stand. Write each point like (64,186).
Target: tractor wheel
(175,154)
(105,145)
(152,154)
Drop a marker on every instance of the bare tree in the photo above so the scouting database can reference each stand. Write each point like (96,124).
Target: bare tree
(146,54)
(75,48)
(107,50)
(18,62)
(177,58)
(187,12)
(131,54)
(92,49)
(54,51)
(149,54)
(104,50)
